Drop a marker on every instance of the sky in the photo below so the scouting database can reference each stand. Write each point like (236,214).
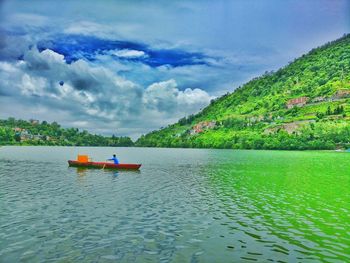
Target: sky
(130,67)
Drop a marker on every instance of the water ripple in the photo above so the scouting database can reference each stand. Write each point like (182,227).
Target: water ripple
(184,206)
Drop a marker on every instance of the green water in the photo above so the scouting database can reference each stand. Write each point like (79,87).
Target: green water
(185,205)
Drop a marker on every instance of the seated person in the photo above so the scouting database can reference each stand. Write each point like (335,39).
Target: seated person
(114,159)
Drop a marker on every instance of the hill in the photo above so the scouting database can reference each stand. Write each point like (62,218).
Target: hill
(304,105)
(21,132)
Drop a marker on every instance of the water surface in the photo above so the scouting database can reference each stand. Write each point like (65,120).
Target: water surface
(185,205)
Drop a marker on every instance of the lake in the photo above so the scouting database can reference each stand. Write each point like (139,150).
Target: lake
(185,205)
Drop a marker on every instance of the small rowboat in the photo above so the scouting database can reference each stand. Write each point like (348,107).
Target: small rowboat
(121,166)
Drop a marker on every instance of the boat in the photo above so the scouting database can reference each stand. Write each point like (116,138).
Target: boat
(104,165)
(85,162)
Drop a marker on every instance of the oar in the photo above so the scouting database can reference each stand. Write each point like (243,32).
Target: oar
(104,165)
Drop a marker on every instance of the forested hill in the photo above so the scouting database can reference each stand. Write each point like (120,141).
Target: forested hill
(304,105)
(33,132)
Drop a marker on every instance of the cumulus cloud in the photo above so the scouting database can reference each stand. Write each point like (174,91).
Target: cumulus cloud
(94,94)
(166,97)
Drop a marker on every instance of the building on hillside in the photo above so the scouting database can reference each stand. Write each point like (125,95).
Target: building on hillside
(297,102)
(17,130)
(195,130)
(34,122)
(271,130)
(256,118)
(319,99)
(25,135)
(290,128)
(210,124)
(342,93)
(201,126)
(38,137)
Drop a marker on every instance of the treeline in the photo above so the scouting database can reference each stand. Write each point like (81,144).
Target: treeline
(22,132)
(313,136)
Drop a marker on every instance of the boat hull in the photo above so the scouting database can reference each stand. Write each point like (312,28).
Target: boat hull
(104,165)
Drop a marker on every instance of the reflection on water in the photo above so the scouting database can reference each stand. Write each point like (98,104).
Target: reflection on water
(81,171)
(185,205)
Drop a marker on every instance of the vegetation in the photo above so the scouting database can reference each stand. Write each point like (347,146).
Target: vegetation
(21,132)
(261,115)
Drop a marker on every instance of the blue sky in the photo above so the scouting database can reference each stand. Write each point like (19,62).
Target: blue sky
(129,67)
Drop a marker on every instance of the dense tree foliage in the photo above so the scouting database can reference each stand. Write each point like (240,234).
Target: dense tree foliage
(256,116)
(14,132)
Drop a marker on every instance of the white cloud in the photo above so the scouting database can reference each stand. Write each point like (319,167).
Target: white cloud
(33,86)
(103,30)
(93,96)
(166,97)
(90,28)
(129,53)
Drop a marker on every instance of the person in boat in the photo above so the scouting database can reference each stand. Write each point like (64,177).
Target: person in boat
(114,159)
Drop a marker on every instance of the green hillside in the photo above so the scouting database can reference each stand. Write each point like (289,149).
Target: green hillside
(33,132)
(263,115)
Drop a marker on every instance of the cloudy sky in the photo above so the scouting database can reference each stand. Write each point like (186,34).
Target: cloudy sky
(129,67)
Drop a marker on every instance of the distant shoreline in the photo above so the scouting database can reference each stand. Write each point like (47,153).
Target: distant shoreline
(89,146)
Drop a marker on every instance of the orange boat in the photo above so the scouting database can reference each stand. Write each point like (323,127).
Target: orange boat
(84,161)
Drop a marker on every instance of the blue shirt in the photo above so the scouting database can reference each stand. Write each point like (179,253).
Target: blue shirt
(115,160)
